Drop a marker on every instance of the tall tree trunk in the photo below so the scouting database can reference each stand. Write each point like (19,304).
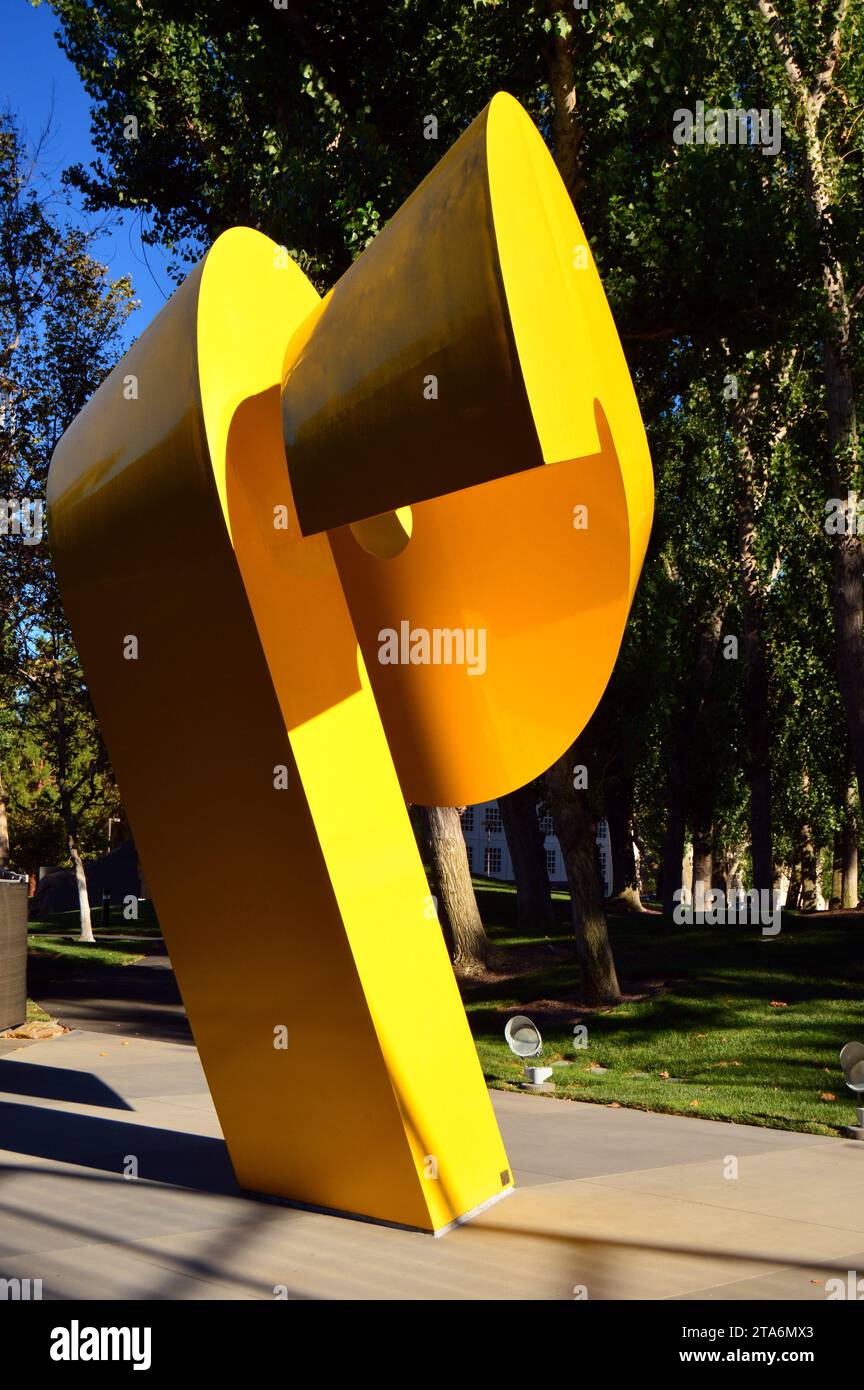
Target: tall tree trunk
(703,837)
(782,884)
(807,851)
(4,826)
(66,809)
(577,835)
(567,130)
(836,899)
(748,488)
(81,885)
(848,556)
(732,869)
(649,866)
(809,872)
(838,363)
(672,855)
(679,757)
(848,621)
(451,884)
(850,850)
(687,868)
(525,841)
(820,896)
(619,818)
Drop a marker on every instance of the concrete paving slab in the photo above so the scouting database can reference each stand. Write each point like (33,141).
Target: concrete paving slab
(74,1049)
(89,1140)
(88,1207)
(632,1223)
(815,1185)
(802,1285)
(621,1204)
(571,1139)
(113,1274)
(326,1258)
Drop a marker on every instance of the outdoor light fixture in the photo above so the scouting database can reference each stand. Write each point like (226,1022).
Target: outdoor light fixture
(852,1062)
(523,1038)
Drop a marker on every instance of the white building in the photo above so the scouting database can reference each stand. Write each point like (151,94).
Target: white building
(489,856)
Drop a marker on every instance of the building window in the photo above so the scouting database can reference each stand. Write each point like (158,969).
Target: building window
(492,819)
(552,863)
(547,825)
(468,819)
(493,860)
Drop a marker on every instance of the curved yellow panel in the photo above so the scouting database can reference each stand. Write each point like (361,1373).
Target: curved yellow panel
(483,284)
(404,383)
(560,314)
(539,604)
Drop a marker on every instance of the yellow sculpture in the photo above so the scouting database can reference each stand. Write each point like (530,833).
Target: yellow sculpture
(314,565)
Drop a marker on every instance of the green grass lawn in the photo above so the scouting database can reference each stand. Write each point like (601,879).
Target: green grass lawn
(121,943)
(721,1023)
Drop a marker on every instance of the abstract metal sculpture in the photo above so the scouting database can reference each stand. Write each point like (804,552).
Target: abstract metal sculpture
(269,521)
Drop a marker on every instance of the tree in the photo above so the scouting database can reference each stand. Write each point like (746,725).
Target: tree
(56,712)
(575,816)
(312,121)
(749,490)
(450,880)
(60,320)
(723,268)
(823,71)
(525,841)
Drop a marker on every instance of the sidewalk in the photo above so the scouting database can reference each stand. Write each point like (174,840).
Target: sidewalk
(626,1204)
(140,1000)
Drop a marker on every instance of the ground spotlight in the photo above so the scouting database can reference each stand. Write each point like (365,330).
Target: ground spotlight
(852,1062)
(523,1038)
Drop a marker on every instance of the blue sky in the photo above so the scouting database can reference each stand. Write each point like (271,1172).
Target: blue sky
(34,72)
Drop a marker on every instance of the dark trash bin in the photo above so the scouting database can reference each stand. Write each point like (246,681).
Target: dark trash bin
(13,949)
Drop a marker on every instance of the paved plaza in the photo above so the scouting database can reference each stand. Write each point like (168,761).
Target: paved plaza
(610,1203)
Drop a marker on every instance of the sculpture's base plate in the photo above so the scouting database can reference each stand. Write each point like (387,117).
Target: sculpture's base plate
(854,1131)
(538,1087)
(475,1211)
(394,1225)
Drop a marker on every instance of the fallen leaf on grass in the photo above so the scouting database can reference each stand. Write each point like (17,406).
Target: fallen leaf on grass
(778,1004)
(827,1095)
(694,1105)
